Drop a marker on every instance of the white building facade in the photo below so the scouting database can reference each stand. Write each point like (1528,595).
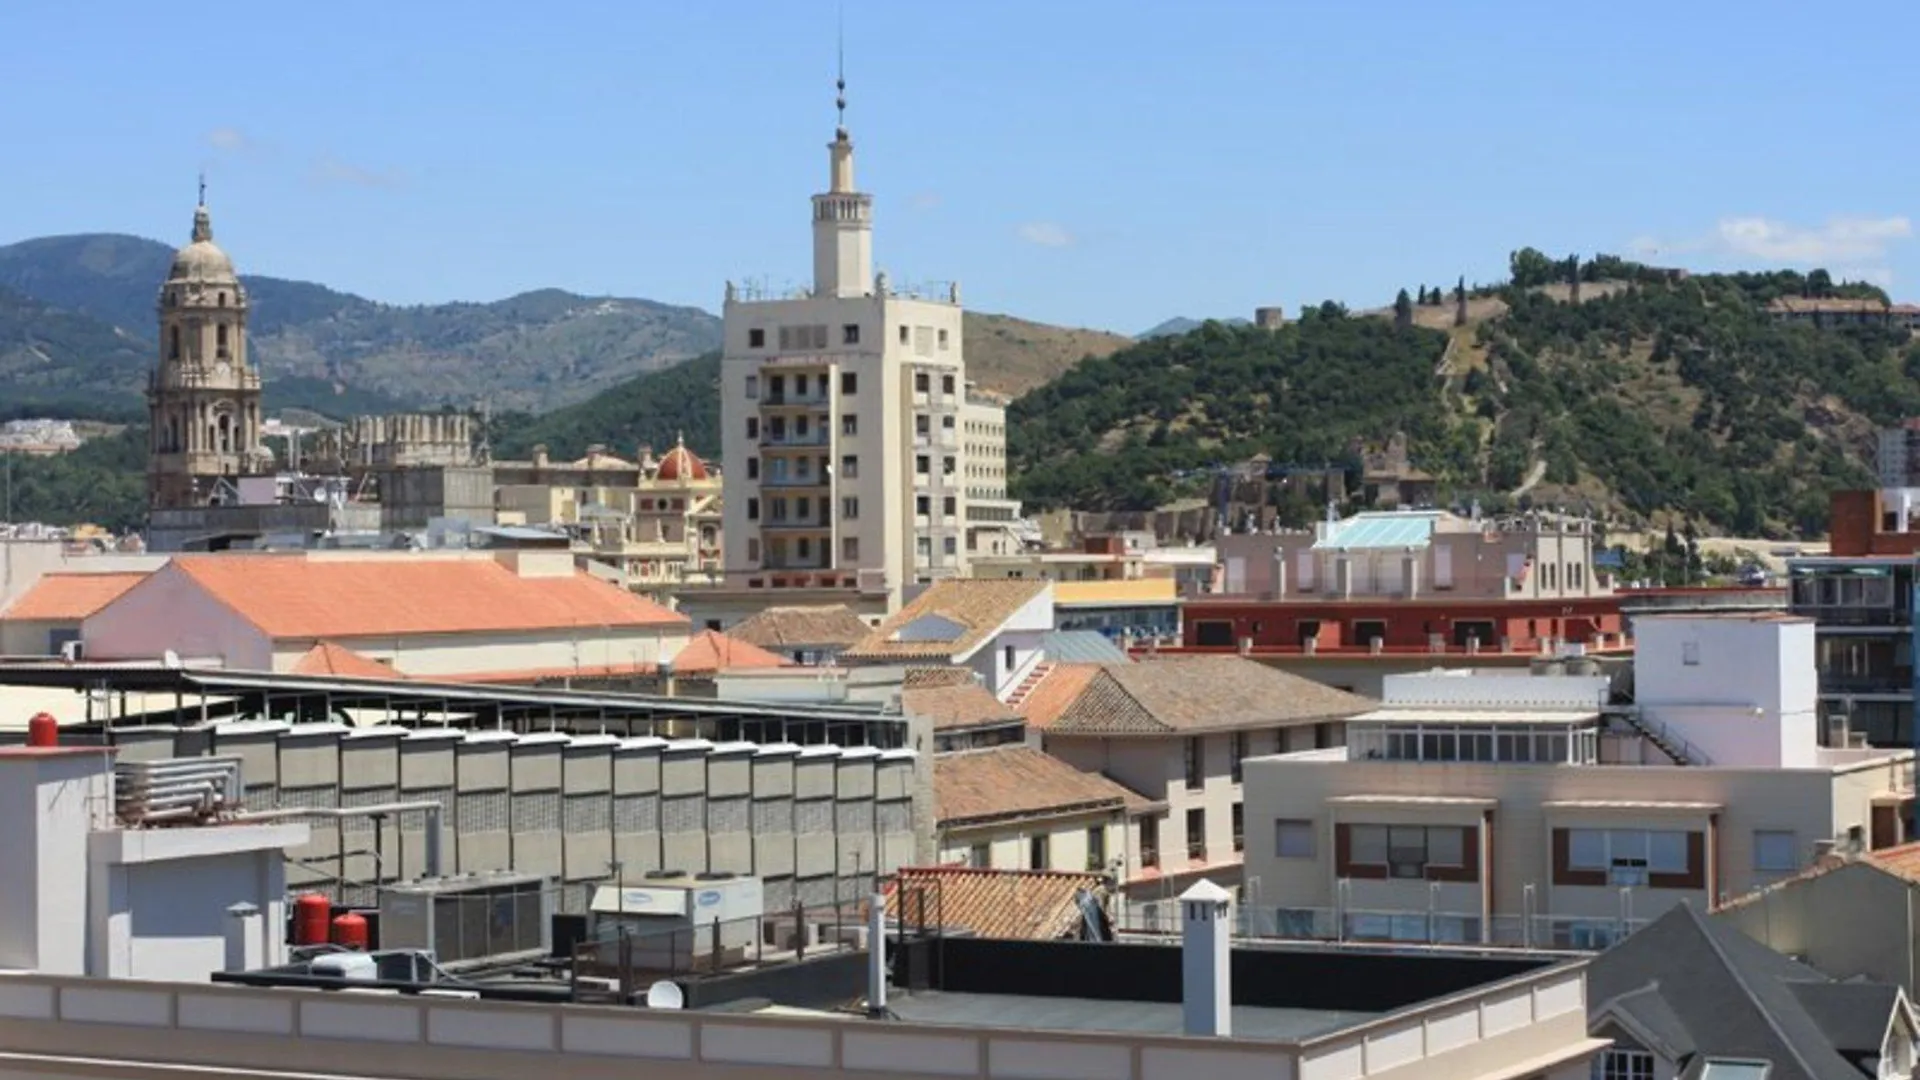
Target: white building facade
(841,412)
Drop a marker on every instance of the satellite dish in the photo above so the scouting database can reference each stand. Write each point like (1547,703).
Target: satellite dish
(666,994)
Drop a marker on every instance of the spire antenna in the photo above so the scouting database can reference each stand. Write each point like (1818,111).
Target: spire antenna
(840,72)
(203,187)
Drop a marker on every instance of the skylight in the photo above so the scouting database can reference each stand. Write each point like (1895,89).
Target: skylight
(1735,1069)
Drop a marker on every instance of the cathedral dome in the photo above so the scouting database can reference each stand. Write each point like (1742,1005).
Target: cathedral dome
(681,464)
(202,259)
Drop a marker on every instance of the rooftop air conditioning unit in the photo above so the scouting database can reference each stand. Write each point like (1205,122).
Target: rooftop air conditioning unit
(463,920)
(73,651)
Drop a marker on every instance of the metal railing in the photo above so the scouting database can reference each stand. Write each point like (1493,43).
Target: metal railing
(1366,926)
(625,959)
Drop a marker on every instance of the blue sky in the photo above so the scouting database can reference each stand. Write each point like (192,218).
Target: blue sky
(1095,163)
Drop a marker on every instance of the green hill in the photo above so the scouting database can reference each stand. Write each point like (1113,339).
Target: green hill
(535,351)
(654,409)
(1658,397)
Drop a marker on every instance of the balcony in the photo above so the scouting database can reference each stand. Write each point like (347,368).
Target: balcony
(788,482)
(1897,681)
(793,401)
(795,525)
(770,441)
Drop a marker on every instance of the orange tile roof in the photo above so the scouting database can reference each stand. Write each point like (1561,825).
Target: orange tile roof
(1017,781)
(802,626)
(71,596)
(959,705)
(1172,695)
(291,596)
(711,651)
(330,658)
(975,606)
(1060,688)
(1032,905)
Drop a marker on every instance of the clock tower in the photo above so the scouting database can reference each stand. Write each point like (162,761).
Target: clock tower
(203,399)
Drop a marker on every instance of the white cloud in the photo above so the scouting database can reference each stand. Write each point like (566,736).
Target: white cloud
(331,170)
(1046,234)
(1841,241)
(229,139)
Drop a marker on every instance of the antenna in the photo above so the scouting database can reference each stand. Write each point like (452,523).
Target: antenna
(840,70)
(203,187)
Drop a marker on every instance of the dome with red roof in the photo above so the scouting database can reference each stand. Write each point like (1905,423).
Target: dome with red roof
(681,464)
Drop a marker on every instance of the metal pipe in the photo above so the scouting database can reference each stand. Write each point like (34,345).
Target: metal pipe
(433,808)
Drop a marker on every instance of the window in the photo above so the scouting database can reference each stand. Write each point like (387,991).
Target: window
(922,505)
(1007,659)
(850,334)
(1197,835)
(849,467)
(946,466)
(776,387)
(905,335)
(753,387)
(753,509)
(1293,839)
(850,508)
(1775,851)
(943,341)
(850,549)
(1239,826)
(946,381)
(1623,857)
(1195,761)
(1149,841)
(850,424)
(849,382)
(1618,1064)
(980,856)
(1239,752)
(753,549)
(948,506)
(753,468)
(950,545)
(920,465)
(756,338)
(1406,851)
(1037,852)
(1096,847)
(220,332)
(804,549)
(753,427)
(1690,653)
(921,381)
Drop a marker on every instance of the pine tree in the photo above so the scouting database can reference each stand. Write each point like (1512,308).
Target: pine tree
(1403,311)
(1460,302)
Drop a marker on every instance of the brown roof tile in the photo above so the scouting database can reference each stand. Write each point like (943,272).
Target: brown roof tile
(1170,695)
(292,596)
(1015,781)
(71,597)
(711,651)
(960,705)
(1060,688)
(924,678)
(975,606)
(1031,905)
(797,627)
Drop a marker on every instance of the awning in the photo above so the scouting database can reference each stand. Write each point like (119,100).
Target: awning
(1444,715)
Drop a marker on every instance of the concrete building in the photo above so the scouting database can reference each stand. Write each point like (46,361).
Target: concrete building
(1851,915)
(1509,808)
(1832,312)
(993,519)
(203,400)
(1016,807)
(653,521)
(997,1007)
(512,617)
(1176,733)
(841,408)
(47,617)
(92,890)
(1693,997)
(1862,609)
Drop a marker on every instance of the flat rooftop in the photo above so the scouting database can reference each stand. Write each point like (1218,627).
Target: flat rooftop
(1024,1012)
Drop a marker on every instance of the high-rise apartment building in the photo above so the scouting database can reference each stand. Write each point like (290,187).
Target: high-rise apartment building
(842,408)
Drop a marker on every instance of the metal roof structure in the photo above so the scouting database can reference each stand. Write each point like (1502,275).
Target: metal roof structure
(1391,530)
(203,695)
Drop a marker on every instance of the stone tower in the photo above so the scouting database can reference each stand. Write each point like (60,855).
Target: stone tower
(203,401)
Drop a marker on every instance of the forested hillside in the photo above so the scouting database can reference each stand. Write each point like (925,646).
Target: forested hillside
(1655,396)
(653,409)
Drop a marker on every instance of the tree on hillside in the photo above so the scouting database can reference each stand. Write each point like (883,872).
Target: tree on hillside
(1403,311)
(1460,302)
(1819,284)
(1529,268)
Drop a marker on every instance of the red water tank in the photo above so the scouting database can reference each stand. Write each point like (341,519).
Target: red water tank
(43,730)
(311,915)
(350,931)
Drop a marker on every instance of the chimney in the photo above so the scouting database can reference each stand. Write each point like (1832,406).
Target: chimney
(1206,960)
(243,938)
(877,956)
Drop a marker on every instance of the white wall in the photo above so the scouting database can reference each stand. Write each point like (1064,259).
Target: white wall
(50,802)
(1743,690)
(169,611)
(167,921)
(473,654)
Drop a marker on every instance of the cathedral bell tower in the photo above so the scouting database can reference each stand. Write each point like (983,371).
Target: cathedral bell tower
(203,401)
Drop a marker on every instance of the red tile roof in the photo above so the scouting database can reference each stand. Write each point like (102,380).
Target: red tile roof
(711,651)
(329,658)
(67,597)
(1033,905)
(1060,688)
(1017,781)
(1170,695)
(293,596)
(974,608)
(959,705)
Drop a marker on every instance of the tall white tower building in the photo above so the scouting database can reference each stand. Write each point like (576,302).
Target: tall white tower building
(841,414)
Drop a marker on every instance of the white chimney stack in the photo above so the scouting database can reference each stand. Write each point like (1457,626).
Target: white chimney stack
(877,955)
(1206,960)
(244,945)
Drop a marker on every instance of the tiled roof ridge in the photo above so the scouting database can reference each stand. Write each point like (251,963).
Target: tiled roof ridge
(1106,672)
(1734,971)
